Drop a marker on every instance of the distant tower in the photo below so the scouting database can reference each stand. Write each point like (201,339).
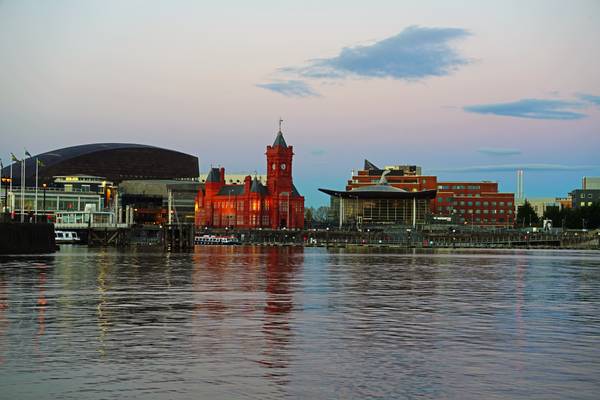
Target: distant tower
(520,185)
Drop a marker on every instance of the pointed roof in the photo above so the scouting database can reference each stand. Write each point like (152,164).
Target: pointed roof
(214,175)
(279,140)
(369,166)
(258,187)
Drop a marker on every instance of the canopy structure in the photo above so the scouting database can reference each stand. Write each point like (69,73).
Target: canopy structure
(380,204)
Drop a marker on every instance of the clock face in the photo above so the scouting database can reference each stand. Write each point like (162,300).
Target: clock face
(283,166)
(273,166)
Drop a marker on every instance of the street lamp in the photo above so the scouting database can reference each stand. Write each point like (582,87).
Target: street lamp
(44,187)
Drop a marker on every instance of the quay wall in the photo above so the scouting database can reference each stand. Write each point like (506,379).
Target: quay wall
(25,238)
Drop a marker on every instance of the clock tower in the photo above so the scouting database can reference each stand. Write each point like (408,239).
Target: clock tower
(279,180)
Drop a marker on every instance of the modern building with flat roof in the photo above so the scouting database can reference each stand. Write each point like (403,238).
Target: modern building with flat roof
(591,182)
(585,197)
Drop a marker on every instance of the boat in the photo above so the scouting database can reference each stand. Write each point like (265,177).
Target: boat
(66,237)
(212,239)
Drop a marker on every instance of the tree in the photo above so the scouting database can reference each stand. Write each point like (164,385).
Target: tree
(308,217)
(321,214)
(526,215)
(587,217)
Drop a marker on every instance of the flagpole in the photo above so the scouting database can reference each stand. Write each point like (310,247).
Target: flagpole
(36,189)
(23,189)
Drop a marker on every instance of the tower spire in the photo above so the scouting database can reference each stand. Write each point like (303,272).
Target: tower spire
(280,121)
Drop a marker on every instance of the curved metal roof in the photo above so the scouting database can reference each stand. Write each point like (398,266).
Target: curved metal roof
(54,157)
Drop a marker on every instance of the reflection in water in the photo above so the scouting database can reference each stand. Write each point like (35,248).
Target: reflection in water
(267,322)
(3,318)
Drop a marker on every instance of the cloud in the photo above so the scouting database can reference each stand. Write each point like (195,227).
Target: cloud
(589,98)
(318,152)
(532,108)
(290,88)
(498,151)
(414,54)
(514,167)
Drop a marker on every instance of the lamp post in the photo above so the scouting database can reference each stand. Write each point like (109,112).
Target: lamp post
(44,186)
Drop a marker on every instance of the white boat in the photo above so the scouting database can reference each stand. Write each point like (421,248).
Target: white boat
(212,239)
(66,237)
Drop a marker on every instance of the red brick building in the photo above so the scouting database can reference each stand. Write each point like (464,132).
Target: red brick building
(252,204)
(477,203)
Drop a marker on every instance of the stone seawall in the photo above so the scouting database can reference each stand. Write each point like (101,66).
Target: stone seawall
(17,238)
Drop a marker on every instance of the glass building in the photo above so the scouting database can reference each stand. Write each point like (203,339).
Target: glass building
(379,205)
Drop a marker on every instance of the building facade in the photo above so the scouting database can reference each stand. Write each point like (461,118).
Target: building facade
(471,203)
(379,204)
(585,197)
(252,204)
(591,182)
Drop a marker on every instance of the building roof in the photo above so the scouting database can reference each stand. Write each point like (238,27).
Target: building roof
(258,187)
(369,166)
(231,190)
(114,161)
(214,175)
(377,188)
(377,193)
(279,140)
(295,191)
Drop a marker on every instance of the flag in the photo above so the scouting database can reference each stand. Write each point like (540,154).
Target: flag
(13,157)
(27,153)
(40,163)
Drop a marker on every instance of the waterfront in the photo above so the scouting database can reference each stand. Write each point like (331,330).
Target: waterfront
(280,322)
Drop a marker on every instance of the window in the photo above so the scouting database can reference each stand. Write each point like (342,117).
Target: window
(589,203)
(501,211)
(485,203)
(493,203)
(440,199)
(589,195)
(462,203)
(477,203)
(509,203)
(477,211)
(485,211)
(502,203)
(470,203)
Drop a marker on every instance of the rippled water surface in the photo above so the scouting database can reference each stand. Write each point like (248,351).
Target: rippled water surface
(269,323)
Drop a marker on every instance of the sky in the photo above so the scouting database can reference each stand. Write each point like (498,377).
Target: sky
(469,90)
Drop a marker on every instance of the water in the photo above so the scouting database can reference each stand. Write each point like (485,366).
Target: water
(270,323)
